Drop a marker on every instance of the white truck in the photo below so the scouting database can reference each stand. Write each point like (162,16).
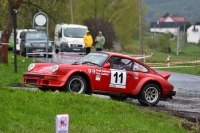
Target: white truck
(69,38)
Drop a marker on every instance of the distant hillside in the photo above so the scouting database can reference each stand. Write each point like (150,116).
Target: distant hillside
(189,9)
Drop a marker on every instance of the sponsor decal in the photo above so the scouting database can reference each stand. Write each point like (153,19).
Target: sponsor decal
(93,71)
(105,74)
(136,75)
(89,70)
(105,71)
(98,77)
(98,70)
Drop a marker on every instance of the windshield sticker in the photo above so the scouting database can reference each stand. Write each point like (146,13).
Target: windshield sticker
(98,77)
(118,78)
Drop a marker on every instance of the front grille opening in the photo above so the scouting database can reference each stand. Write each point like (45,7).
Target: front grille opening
(31,81)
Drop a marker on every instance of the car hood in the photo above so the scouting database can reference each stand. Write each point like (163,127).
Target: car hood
(46,69)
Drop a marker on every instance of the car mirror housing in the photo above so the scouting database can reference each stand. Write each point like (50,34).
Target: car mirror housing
(107,65)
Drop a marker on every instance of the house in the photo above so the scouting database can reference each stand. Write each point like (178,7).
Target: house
(168,24)
(193,33)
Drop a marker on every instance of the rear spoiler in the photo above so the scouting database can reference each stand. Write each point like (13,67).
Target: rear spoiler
(165,75)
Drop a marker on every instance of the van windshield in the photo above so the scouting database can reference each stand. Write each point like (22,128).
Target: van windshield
(74,32)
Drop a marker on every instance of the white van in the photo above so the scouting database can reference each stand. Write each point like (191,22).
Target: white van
(18,39)
(69,38)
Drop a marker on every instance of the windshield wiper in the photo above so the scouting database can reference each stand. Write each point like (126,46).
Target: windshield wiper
(86,62)
(76,63)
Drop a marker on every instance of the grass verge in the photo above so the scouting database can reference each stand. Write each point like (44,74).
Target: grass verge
(34,111)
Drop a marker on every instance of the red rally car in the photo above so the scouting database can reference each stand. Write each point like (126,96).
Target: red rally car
(116,75)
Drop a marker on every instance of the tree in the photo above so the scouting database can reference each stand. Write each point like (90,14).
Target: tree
(57,11)
(9,26)
(164,42)
(95,25)
(122,14)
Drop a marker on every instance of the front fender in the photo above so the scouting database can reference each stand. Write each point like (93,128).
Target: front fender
(74,71)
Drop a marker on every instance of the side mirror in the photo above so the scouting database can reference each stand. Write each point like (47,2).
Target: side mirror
(60,35)
(22,34)
(106,65)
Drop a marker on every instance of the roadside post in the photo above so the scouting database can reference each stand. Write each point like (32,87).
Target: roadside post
(62,123)
(42,23)
(151,57)
(144,56)
(168,61)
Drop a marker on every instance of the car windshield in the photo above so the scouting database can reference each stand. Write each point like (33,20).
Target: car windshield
(74,32)
(93,58)
(36,35)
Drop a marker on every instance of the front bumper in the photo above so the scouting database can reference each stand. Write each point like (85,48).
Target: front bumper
(51,81)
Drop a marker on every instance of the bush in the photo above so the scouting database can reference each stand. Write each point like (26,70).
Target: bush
(152,42)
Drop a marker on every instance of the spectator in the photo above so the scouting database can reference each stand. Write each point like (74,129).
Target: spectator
(100,41)
(88,41)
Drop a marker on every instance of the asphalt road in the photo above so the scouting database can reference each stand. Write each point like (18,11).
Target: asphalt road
(187,87)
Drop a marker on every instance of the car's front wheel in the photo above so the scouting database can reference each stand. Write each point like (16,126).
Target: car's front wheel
(150,95)
(76,84)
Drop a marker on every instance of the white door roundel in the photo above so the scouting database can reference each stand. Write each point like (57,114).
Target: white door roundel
(118,78)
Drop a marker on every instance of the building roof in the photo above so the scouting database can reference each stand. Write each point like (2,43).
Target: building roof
(167,24)
(176,19)
(197,23)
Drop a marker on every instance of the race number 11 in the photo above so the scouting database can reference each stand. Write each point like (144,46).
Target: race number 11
(118,77)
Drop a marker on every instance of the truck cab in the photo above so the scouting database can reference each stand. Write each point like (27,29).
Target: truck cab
(69,38)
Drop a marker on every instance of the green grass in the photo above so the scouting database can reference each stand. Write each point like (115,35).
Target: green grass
(25,111)
(8,75)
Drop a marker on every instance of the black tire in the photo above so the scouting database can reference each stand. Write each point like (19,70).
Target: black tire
(56,51)
(43,89)
(76,84)
(150,95)
(118,98)
(24,52)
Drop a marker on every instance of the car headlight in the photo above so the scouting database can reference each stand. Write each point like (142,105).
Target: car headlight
(31,66)
(54,68)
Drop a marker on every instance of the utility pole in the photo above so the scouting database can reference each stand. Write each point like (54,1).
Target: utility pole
(140,27)
(15,52)
(71,7)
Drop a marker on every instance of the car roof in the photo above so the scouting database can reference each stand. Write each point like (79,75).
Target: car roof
(126,56)
(118,54)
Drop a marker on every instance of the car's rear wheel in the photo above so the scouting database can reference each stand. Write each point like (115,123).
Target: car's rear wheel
(150,95)
(118,98)
(76,84)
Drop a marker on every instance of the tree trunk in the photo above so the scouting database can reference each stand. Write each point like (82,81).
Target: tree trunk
(6,33)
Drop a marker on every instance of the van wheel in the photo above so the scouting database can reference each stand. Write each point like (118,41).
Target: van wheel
(57,51)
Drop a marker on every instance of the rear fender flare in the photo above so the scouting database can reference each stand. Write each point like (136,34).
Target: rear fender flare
(142,83)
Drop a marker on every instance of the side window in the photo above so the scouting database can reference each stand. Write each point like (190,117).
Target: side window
(120,63)
(139,68)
